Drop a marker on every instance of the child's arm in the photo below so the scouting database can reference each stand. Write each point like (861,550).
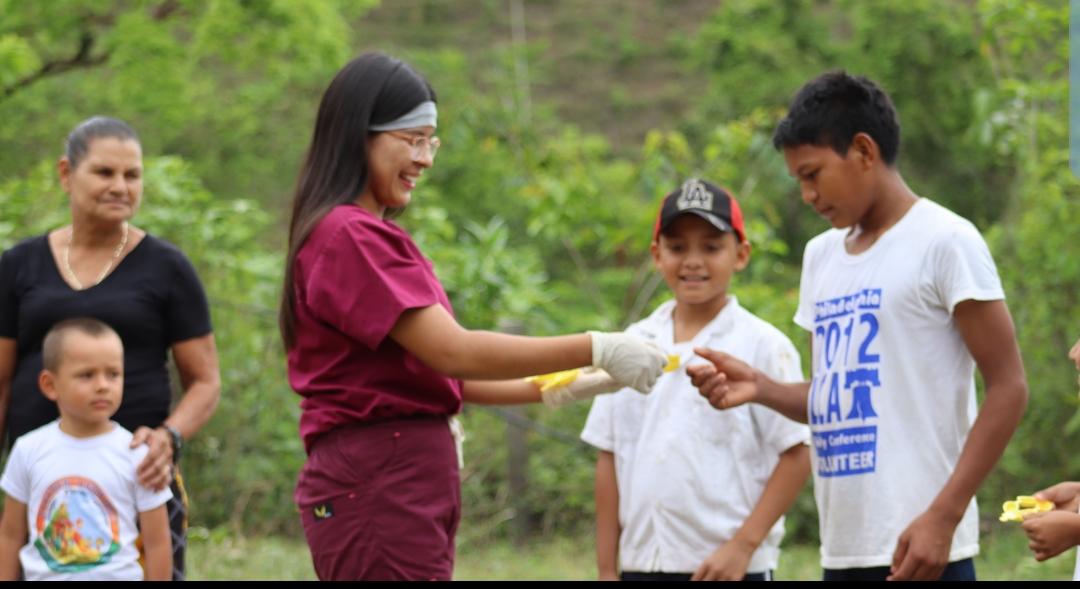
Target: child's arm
(13,536)
(586,384)
(607,518)
(157,543)
(1051,533)
(922,551)
(729,562)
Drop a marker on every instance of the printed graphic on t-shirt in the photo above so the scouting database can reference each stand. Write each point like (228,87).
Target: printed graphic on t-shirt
(846,377)
(77,526)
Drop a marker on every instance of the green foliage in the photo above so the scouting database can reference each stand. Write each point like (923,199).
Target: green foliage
(1035,244)
(489,282)
(756,54)
(17,59)
(31,204)
(218,82)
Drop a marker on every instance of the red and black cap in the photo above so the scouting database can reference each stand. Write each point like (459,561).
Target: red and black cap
(706,200)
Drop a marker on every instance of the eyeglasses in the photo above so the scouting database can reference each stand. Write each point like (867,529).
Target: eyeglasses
(418,143)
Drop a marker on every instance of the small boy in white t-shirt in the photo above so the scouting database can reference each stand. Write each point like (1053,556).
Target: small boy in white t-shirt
(684,492)
(74,509)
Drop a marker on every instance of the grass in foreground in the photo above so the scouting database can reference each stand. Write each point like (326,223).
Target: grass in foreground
(218,555)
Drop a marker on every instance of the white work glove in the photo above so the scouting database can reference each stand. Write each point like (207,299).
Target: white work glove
(588,383)
(630,360)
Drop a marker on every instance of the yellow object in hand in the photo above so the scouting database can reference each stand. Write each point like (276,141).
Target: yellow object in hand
(1025,505)
(555,379)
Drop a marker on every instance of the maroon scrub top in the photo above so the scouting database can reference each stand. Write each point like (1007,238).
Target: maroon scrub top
(353,278)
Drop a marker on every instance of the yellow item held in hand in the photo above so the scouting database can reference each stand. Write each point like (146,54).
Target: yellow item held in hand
(555,379)
(1025,505)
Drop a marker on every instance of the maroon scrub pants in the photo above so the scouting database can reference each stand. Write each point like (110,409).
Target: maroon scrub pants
(381,501)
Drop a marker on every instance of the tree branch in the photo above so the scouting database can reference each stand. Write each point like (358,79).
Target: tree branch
(165,9)
(81,59)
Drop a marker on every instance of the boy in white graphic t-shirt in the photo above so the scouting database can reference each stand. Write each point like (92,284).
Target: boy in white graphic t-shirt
(72,498)
(684,492)
(902,301)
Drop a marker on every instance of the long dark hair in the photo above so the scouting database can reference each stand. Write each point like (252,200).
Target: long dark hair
(373,88)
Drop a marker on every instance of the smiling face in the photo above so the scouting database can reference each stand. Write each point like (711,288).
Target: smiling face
(838,188)
(106,185)
(394,168)
(697,261)
(88,383)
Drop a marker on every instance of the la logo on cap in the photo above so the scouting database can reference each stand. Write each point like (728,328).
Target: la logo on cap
(694,196)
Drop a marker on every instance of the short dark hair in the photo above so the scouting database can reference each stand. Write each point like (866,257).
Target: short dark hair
(78,141)
(52,349)
(373,88)
(832,108)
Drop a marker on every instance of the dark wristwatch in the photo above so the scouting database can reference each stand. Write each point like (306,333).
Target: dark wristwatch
(176,439)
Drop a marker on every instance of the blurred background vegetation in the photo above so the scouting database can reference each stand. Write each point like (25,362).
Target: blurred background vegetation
(563,123)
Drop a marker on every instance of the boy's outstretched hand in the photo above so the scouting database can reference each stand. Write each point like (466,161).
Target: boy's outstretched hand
(726,381)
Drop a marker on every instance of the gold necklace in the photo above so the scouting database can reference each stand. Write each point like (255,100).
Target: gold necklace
(105,270)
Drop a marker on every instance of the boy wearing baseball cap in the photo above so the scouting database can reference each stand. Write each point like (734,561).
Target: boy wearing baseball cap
(684,491)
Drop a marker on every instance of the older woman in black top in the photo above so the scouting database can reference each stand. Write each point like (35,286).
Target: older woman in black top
(102,266)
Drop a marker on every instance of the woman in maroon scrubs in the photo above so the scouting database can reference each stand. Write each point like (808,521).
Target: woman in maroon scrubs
(374,349)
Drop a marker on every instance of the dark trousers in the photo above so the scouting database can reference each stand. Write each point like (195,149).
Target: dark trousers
(961,570)
(381,501)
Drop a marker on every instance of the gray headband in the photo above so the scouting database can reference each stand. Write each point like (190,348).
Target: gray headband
(424,115)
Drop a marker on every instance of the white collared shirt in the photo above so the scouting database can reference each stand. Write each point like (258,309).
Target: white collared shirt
(689,475)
